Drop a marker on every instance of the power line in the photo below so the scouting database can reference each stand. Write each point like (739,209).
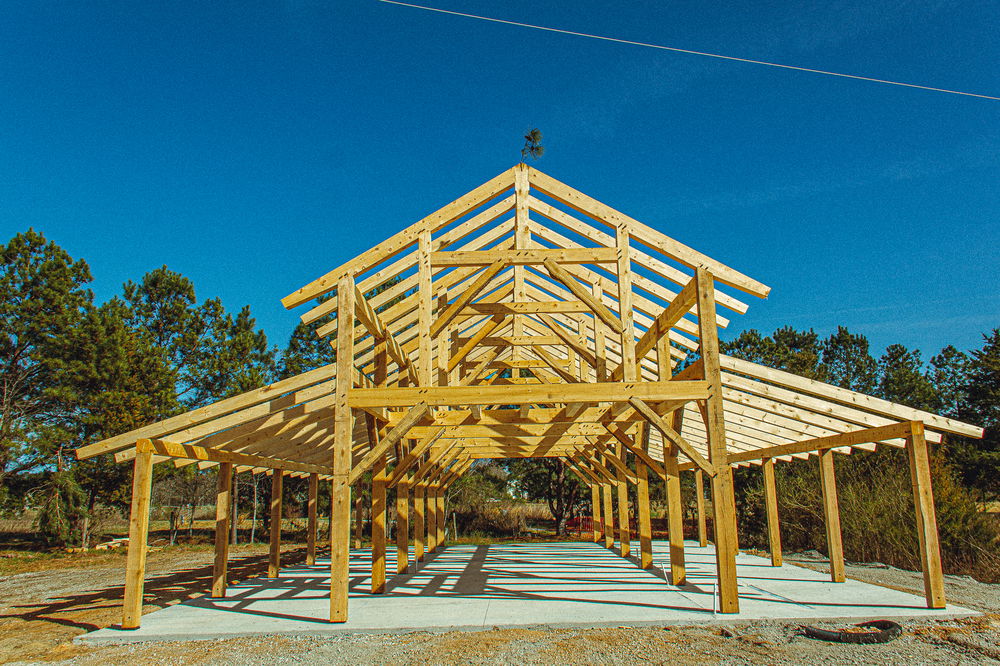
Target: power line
(689,52)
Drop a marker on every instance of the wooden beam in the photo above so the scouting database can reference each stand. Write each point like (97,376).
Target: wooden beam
(392,438)
(210,412)
(927,530)
(662,325)
(524,257)
(397,243)
(642,499)
(138,534)
(492,325)
(274,543)
(641,232)
(607,316)
(378,525)
(402,527)
(192,452)
(312,507)
(367,315)
(657,422)
(571,341)
(713,414)
(404,465)
(528,307)
(853,438)
(532,394)
(771,509)
(223,508)
(848,397)
(470,293)
(699,493)
(831,516)
(340,488)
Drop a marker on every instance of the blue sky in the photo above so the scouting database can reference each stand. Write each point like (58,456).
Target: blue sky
(254,146)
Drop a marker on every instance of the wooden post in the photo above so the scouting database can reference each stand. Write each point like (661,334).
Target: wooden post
(609,517)
(624,532)
(431,517)
(723,495)
(223,504)
(402,526)
(138,534)
(699,492)
(340,489)
(274,560)
(379,507)
(311,508)
(771,507)
(379,501)
(672,477)
(442,518)
(831,515)
(359,517)
(923,503)
(419,528)
(642,501)
(595,512)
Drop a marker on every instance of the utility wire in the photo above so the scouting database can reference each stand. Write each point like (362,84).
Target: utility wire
(688,51)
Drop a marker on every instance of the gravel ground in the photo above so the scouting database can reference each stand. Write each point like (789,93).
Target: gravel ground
(965,641)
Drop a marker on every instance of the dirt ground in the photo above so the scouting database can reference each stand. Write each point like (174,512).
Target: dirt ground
(45,603)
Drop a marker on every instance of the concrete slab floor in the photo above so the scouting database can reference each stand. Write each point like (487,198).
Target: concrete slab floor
(518,585)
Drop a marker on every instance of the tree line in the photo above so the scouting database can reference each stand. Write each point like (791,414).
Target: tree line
(77,371)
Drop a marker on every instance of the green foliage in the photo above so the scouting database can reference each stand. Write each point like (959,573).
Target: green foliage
(42,299)
(549,480)
(61,509)
(533,147)
(875,493)
(980,459)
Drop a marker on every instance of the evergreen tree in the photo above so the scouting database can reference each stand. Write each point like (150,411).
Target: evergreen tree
(980,459)
(43,297)
(847,361)
(902,379)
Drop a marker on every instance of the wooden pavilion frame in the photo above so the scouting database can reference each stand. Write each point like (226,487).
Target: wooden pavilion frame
(526,319)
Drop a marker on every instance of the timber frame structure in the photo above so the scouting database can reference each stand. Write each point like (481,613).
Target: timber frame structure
(527,319)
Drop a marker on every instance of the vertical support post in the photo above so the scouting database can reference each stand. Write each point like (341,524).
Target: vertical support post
(522,240)
(609,516)
(595,512)
(600,353)
(379,477)
(629,373)
(424,312)
(642,500)
(723,495)
(359,517)
(274,556)
(432,518)
(138,534)
(624,528)
(831,515)
(223,504)
(699,492)
(771,508)
(340,489)
(923,504)
(378,525)
(402,526)
(311,510)
(442,517)
(419,528)
(672,476)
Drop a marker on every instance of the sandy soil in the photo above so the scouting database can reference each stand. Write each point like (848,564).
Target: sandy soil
(40,612)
